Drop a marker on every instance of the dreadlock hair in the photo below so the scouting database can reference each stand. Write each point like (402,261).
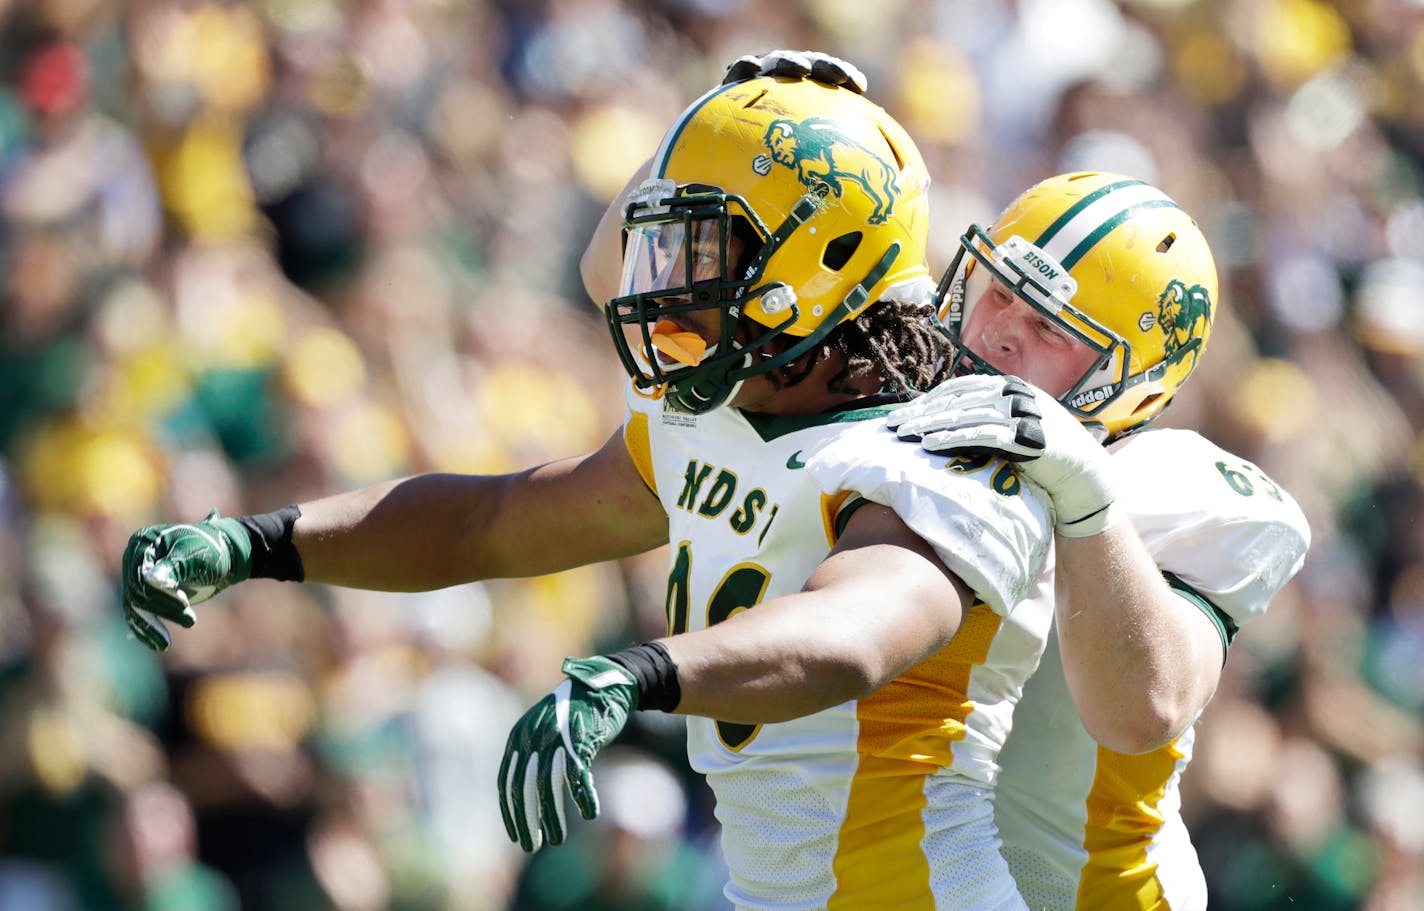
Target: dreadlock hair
(899,339)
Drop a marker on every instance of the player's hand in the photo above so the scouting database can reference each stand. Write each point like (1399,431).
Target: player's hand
(169,568)
(553,746)
(1007,417)
(812,65)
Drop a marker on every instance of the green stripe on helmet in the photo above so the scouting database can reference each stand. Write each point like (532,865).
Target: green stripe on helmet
(669,142)
(1080,205)
(1107,227)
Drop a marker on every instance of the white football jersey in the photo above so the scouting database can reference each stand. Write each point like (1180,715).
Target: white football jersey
(881,802)
(1087,828)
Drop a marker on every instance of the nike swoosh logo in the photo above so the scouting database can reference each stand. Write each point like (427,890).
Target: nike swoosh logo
(795,462)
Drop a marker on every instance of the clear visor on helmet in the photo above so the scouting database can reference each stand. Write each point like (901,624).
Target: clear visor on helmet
(676,317)
(669,257)
(1039,280)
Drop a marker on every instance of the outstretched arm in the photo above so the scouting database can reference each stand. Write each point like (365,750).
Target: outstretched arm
(436,530)
(413,534)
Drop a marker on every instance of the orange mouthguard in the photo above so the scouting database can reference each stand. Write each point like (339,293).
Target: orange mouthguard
(683,347)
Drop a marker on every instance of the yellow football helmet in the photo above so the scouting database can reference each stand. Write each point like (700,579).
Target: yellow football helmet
(1116,264)
(821,193)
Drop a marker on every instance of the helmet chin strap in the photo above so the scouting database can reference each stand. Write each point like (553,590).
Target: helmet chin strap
(708,392)
(699,396)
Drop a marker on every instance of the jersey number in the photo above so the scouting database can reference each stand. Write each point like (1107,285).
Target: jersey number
(741,588)
(1240,481)
(1005,480)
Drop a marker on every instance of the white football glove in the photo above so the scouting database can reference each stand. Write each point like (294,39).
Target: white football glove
(1007,417)
(814,65)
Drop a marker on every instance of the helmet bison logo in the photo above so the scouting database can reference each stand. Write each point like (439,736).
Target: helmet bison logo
(809,148)
(1184,314)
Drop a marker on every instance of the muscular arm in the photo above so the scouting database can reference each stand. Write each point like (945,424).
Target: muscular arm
(1140,661)
(880,603)
(435,530)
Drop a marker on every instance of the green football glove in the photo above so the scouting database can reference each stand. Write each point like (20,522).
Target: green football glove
(169,568)
(553,745)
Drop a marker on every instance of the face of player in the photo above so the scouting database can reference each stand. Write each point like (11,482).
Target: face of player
(1013,337)
(658,259)
(662,263)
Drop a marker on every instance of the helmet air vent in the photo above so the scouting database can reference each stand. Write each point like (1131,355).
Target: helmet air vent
(894,150)
(752,102)
(1166,243)
(839,251)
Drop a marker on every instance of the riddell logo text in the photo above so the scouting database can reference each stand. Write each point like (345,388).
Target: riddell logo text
(1092,395)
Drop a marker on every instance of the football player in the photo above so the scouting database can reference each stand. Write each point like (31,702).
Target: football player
(1101,292)
(850,617)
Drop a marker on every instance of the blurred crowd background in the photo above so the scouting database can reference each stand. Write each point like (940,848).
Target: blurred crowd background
(254,253)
